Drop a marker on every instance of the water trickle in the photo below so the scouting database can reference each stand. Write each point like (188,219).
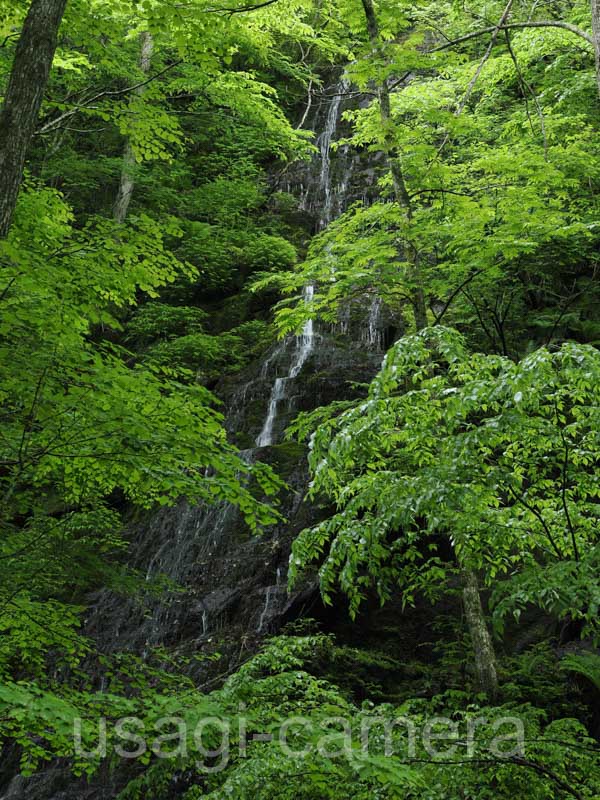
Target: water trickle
(374,333)
(324,141)
(266,608)
(265,437)
(304,343)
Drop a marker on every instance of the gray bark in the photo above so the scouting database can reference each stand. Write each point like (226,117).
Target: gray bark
(127,181)
(23,99)
(483,647)
(595,7)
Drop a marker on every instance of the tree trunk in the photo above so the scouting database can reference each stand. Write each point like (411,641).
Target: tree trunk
(595,4)
(23,98)
(485,659)
(127,182)
(401,194)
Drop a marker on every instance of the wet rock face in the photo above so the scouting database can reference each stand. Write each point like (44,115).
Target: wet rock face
(231,583)
(225,587)
(338,176)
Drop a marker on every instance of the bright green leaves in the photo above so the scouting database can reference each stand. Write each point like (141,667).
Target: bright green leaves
(497,457)
(498,177)
(83,425)
(153,133)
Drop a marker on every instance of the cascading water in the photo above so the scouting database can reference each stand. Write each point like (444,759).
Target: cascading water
(204,548)
(210,584)
(304,345)
(305,342)
(324,142)
(374,333)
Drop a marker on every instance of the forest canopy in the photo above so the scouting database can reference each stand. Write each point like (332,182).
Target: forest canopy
(384,214)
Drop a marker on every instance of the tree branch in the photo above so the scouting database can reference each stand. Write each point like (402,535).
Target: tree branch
(52,124)
(549,23)
(455,293)
(537,514)
(529,88)
(242,10)
(563,489)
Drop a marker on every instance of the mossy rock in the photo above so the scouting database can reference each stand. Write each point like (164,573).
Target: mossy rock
(286,457)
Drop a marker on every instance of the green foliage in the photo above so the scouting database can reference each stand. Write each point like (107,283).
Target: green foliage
(496,457)
(281,682)
(160,321)
(496,175)
(81,426)
(110,335)
(585,664)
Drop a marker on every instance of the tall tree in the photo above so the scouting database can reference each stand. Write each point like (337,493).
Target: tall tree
(401,194)
(394,491)
(26,86)
(127,181)
(595,5)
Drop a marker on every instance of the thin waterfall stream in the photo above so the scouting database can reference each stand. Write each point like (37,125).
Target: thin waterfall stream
(228,578)
(304,343)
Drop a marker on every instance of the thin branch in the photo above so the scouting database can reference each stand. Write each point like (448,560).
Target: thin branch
(484,327)
(494,31)
(563,490)
(308,104)
(549,23)
(455,293)
(548,773)
(537,514)
(52,124)
(439,190)
(8,285)
(529,88)
(487,54)
(564,498)
(520,761)
(9,36)
(563,311)
(242,10)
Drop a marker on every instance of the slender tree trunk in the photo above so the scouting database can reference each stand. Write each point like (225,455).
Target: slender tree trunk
(23,98)
(595,5)
(127,182)
(401,194)
(485,659)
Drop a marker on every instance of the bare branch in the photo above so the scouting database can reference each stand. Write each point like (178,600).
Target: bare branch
(548,23)
(308,104)
(495,31)
(529,88)
(455,293)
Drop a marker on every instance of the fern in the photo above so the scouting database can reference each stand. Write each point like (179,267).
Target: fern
(586,664)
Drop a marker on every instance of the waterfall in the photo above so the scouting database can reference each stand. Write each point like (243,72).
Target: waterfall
(275,598)
(324,144)
(265,437)
(304,343)
(374,334)
(265,611)
(216,575)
